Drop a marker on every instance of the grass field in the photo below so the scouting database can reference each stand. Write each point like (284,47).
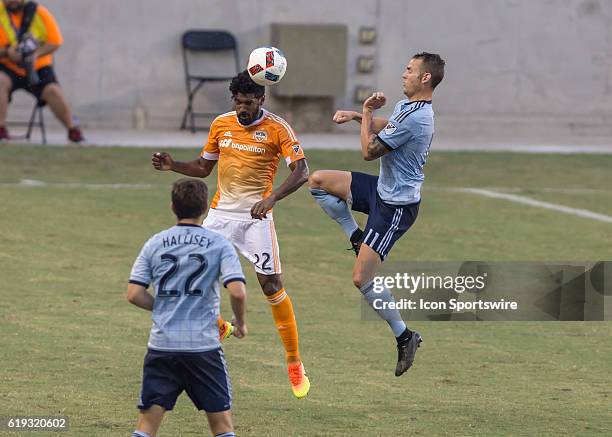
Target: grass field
(71,344)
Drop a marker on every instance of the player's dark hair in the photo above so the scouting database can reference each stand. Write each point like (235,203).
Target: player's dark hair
(189,198)
(432,64)
(243,84)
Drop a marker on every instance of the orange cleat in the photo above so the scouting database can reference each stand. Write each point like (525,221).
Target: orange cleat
(300,384)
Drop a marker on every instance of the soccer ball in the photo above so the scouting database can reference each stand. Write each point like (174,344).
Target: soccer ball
(267,65)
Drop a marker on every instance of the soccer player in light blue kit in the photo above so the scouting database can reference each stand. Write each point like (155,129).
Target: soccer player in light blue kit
(391,200)
(185,264)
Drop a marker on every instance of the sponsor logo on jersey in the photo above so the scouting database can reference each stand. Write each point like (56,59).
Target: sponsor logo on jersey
(227,134)
(227,142)
(260,135)
(248,148)
(390,128)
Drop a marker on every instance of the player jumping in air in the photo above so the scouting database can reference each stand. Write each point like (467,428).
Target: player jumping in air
(248,143)
(391,199)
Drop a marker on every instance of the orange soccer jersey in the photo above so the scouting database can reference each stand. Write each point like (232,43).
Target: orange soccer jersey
(248,158)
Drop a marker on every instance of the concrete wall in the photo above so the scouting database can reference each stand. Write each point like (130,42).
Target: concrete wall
(514,65)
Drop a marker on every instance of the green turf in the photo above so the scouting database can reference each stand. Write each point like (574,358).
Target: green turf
(71,344)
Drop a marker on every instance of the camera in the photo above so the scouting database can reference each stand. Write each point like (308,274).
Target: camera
(27,46)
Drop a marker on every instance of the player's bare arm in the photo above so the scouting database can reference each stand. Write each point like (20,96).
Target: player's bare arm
(371,148)
(200,168)
(341,116)
(139,296)
(376,149)
(237,292)
(297,178)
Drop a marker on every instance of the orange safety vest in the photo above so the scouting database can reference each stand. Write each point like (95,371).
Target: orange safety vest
(37,30)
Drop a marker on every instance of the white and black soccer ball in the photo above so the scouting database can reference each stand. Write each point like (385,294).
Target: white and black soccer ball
(267,65)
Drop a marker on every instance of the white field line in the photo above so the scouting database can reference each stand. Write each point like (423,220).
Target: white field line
(34,183)
(479,191)
(549,190)
(531,190)
(37,183)
(537,203)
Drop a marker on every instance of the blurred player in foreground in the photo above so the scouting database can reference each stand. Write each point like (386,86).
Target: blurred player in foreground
(391,199)
(185,264)
(248,143)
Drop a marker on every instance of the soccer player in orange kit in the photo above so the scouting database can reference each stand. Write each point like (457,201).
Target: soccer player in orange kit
(248,144)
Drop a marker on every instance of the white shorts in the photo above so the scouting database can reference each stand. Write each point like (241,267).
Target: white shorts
(254,239)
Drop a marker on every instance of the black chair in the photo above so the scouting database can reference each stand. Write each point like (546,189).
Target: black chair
(201,41)
(36,120)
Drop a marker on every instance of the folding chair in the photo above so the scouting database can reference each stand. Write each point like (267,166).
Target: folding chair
(201,41)
(36,120)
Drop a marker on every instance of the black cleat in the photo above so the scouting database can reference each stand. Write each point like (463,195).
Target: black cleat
(356,240)
(406,351)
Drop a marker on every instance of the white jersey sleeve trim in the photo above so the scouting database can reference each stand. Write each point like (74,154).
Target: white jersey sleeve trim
(210,156)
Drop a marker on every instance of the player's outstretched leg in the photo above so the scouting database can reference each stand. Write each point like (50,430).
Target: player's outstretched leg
(408,341)
(331,190)
(284,317)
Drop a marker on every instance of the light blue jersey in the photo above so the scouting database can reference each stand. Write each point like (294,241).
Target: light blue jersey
(408,136)
(185,264)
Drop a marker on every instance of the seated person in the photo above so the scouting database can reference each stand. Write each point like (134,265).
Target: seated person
(25,23)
